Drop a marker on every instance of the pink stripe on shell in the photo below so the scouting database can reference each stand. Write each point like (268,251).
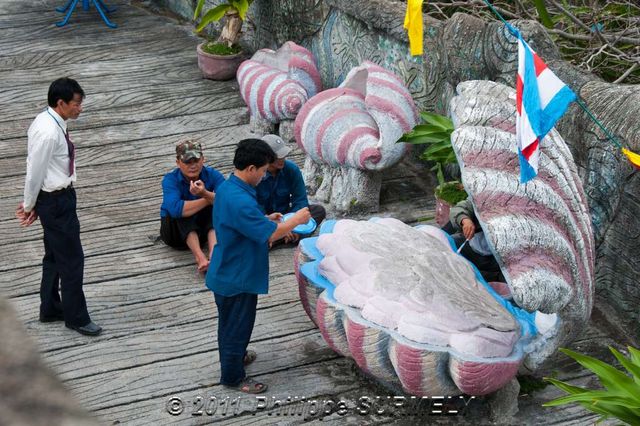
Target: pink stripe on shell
(264,85)
(347,139)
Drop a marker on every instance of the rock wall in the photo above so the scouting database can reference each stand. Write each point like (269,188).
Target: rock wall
(343,33)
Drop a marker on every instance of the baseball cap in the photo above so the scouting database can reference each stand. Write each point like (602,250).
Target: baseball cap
(188,150)
(278,146)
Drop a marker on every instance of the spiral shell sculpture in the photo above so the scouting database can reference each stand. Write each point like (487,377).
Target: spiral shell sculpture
(275,84)
(358,123)
(415,315)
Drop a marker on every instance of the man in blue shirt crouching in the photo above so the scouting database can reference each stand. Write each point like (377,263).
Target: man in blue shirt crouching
(187,196)
(282,189)
(240,263)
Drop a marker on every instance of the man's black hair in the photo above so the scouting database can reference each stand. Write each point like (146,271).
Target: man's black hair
(63,88)
(253,152)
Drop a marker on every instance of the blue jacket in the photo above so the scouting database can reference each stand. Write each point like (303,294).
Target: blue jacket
(240,261)
(283,193)
(175,190)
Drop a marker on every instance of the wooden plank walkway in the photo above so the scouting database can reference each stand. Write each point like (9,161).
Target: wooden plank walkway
(144,93)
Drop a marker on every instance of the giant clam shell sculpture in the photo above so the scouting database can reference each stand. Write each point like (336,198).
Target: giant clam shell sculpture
(358,123)
(275,84)
(541,231)
(408,309)
(414,314)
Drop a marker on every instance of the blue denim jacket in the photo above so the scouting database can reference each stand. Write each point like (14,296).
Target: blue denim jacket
(175,190)
(283,193)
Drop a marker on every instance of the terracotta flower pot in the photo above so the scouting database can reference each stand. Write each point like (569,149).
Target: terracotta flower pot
(218,67)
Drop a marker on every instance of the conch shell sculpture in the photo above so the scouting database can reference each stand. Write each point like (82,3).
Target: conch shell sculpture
(358,123)
(350,132)
(275,84)
(414,314)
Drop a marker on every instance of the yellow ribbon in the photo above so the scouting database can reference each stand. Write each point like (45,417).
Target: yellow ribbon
(413,25)
(632,156)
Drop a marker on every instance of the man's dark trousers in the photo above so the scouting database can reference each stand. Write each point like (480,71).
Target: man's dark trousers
(236,317)
(174,231)
(63,262)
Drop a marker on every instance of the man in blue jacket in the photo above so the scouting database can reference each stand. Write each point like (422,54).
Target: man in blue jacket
(187,198)
(240,263)
(282,189)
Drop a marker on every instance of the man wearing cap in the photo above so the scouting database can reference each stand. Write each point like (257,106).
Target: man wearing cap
(187,198)
(49,195)
(282,189)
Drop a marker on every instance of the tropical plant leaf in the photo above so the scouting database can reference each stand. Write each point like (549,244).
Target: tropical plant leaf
(241,6)
(437,149)
(610,377)
(596,397)
(213,15)
(623,413)
(631,367)
(422,129)
(570,389)
(441,158)
(199,7)
(425,138)
(619,399)
(543,13)
(426,130)
(600,406)
(607,410)
(439,173)
(437,120)
(634,354)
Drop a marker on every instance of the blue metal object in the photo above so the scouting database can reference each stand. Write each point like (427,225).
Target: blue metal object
(98,4)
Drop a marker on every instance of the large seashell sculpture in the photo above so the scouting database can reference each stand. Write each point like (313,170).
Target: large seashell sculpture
(409,310)
(415,315)
(349,134)
(275,85)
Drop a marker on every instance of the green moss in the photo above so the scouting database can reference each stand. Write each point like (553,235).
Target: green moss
(215,48)
(451,192)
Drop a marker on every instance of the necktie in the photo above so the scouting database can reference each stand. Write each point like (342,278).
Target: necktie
(72,153)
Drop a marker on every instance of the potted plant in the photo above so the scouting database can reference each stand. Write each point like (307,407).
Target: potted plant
(436,133)
(220,59)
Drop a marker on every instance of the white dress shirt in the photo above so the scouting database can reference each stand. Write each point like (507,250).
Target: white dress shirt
(48,158)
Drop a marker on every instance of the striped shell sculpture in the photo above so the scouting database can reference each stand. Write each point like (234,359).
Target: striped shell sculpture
(358,123)
(275,84)
(417,316)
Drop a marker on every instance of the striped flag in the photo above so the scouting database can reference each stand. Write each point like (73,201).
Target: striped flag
(541,99)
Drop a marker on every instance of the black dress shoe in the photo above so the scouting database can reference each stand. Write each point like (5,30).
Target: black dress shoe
(51,318)
(90,329)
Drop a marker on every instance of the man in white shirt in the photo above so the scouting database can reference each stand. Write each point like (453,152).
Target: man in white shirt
(49,195)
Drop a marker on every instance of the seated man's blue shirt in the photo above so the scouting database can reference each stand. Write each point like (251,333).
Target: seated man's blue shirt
(240,261)
(175,190)
(283,193)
